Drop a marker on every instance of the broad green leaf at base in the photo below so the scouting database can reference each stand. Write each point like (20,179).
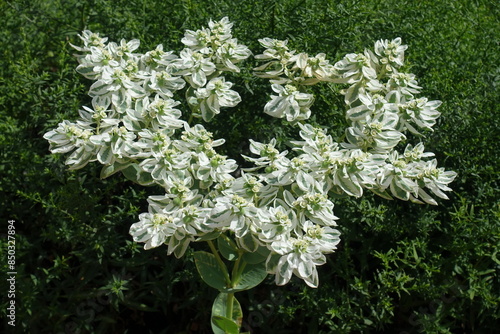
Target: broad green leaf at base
(220,323)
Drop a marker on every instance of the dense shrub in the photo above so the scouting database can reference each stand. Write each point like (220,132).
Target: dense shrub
(400,268)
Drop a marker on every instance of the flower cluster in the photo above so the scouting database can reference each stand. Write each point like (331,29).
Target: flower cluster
(290,73)
(134,93)
(381,107)
(281,207)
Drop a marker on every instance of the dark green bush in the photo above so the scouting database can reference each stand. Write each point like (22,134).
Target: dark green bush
(401,268)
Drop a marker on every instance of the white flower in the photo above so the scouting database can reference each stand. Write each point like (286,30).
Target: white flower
(198,41)
(378,134)
(179,187)
(404,83)
(164,83)
(166,158)
(313,206)
(160,114)
(190,221)
(316,141)
(91,39)
(421,112)
(372,105)
(391,53)
(197,139)
(290,103)
(317,68)
(217,44)
(194,67)
(215,95)
(355,67)
(275,49)
(100,114)
(93,63)
(229,54)
(236,214)
(221,29)
(278,56)
(325,237)
(416,153)
(156,59)
(152,143)
(153,229)
(166,223)
(67,136)
(214,169)
(281,204)
(278,223)
(247,186)
(114,144)
(435,179)
(125,48)
(398,177)
(298,256)
(267,152)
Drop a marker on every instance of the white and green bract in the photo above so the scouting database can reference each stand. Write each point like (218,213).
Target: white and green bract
(136,126)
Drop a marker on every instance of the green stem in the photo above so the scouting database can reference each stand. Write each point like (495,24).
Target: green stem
(220,262)
(229,305)
(382,73)
(238,268)
(230,296)
(234,274)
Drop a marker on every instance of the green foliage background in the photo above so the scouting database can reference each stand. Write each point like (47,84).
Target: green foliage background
(401,268)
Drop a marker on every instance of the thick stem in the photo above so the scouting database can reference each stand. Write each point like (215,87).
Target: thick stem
(229,305)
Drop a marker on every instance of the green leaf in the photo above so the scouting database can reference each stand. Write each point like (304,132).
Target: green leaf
(86,70)
(105,155)
(249,242)
(109,170)
(252,275)
(227,249)
(224,324)
(207,113)
(272,262)
(221,324)
(210,270)
(383,194)
(305,181)
(398,192)
(98,88)
(119,99)
(346,183)
(135,173)
(209,236)
(358,112)
(260,255)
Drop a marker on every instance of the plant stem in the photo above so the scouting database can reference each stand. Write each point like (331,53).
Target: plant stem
(238,268)
(230,296)
(229,305)
(220,262)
